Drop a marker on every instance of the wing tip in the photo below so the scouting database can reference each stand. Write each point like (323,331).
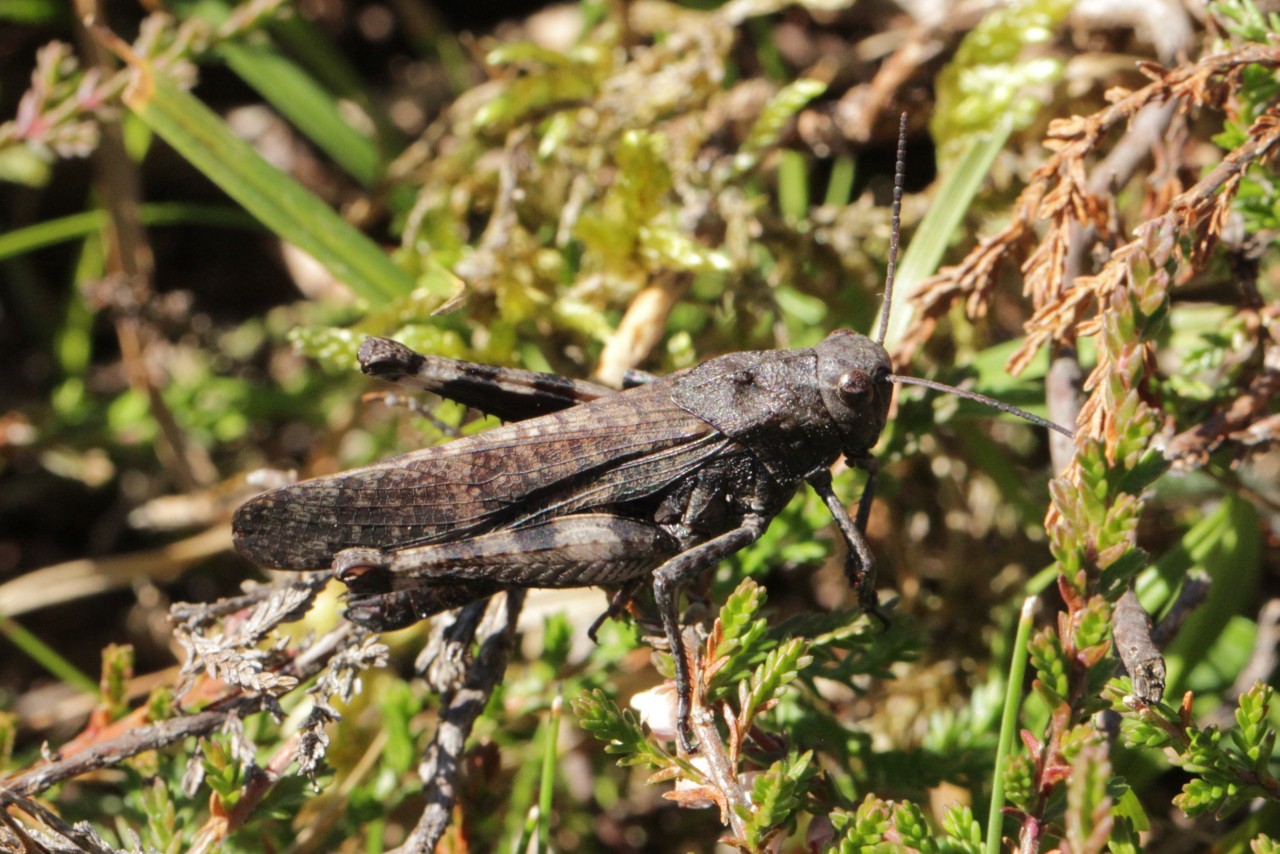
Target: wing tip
(261,535)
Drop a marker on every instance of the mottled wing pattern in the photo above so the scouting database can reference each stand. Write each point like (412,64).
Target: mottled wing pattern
(588,456)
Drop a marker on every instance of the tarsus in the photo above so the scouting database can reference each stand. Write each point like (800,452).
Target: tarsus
(981,398)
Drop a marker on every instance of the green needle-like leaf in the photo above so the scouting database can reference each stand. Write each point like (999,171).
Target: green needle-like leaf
(282,204)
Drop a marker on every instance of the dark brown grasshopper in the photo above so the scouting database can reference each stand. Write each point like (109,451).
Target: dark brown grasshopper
(666,479)
(588,486)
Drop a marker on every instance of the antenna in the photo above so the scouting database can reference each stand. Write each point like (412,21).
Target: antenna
(981,398)
(899,169)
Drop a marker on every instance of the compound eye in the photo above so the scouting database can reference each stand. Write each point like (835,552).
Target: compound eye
(853,386)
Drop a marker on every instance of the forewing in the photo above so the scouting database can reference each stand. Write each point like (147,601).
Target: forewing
(588,456)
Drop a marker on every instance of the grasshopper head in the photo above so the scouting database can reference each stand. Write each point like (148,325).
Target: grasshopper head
(853,377)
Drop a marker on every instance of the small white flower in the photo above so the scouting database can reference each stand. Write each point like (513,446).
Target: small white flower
(685,785)
(821,834)
(657,708)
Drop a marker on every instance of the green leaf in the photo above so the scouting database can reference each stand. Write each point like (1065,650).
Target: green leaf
(557,641)
(667,246)
(1049,663)
(1129,807)
(1115,577)
(932,237)
(776,794)
(776,673)
(1227,544)
(989,83)
(33,12)
(962,829)
(1243,19)
(397,706)
(8,733)
(1019,785)
(1124,839)
(162,832)
(740,621)
(1094,626)
(864,828)
(769,125)
(46,656)
(564,79)
(1088,804)
(619,729)
(117,670)
(1152,464)
(274,198)
(306,105)
(1200,796)
(1263,844)
(744,638)
(79,226)
(221,770)
(913,828)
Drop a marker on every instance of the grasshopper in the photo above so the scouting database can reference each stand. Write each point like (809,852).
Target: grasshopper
(586,486)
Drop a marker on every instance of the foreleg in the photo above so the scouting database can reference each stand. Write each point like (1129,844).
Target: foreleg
(860,565)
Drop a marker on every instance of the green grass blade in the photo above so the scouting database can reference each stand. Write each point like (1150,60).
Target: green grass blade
(546,786)
(78,226)
(32,12)
(314,50)
(1227,545)
(46,656)
(840,185)
(279,202)
(1009,720)
(305,89)
(301,100)
(793,185)
(922,257)
(526,831)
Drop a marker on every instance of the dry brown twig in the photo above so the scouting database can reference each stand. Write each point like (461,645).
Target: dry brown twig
(241,679)
(155,736)
(1058,192)
(238,679)
(462,701)
(59,835)
(1201,211)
